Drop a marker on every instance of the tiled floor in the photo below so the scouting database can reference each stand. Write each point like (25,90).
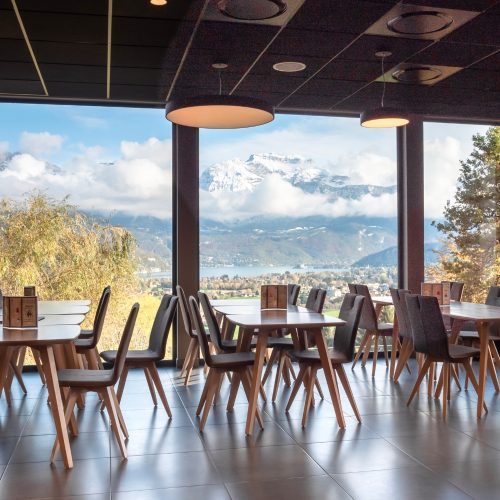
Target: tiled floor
(397,452)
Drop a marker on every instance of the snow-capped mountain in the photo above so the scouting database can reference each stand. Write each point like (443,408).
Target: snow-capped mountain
(236,175)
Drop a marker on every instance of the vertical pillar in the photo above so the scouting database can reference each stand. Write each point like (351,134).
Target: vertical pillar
(410,142)
(185,217)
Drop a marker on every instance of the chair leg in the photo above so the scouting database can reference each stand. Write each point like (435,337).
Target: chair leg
(18,369)
(235,384)
(214,384)
(279,371)
(421,375)
(493,372)
(296,386)
(318,388)
(246,382)
(368,347)
(286,373)
(153,371)
(188,355)
(203,397)
(310,390)
(364,340)
(454,374)
(494,351)
(269,367)
(121,384)
(404,355)
(68,411)
(472,377)
(446,387)
(430,382)
(38,362)
(119,413)
(347,388)
(290,368)
(386,353)
(150,386)
(375,355)
(193,356)
(115,423)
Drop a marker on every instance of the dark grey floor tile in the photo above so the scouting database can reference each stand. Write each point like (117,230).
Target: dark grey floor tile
(411,483)
(154,418)
(143,401)
(148,472)
(321,409)
(12,425)
(296,488)
(266,462)
(160,440)
(38,448)
(438,447)
(7,446)
(219,416)
(357,456)
(40,479)
(22,406)
(320,430)
(221,437)
(98,496)
(480,480)
(205,492)
(465,420)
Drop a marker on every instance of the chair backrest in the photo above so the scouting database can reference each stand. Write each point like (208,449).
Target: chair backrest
(185,312)
(345,335)
(213,326)
(273,296)
(293,293)
(398,299)
(162,324)
(368,319)
(427,326)
(316,299)
(100,316)
(121,354)
(493,299)
(456,290)
(200,330)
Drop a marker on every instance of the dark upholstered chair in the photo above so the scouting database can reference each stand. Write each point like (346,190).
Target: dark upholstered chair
(456,290)
(219,364)
(293,293)
(86,343)
(194,347)
(342,352)
(155,352)
(373,328)
(281,346)
(102,382)
(430,338)
(404,329)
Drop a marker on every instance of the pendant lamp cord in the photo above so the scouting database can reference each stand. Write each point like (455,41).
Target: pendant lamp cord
(220,82)
(383,80)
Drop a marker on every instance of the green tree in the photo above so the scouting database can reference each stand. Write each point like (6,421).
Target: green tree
(67,255)
(471,226)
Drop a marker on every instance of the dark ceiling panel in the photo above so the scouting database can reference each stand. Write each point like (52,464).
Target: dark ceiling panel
(70,53)
(474,5)
(74,73)
(145,57)
(482,29)
(58,6)
(175,9)
(9,27)
(19,87)
(14,50)
(18,70)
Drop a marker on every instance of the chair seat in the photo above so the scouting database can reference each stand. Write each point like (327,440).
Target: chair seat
(93,379)
(85,334)
(83,344)
(312,356)
(233,361)
(385,329)
(231,345)
(459,352)
(474,335)
(139,356)
(280,342)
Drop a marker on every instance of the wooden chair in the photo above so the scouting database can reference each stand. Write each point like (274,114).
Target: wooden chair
(155,352)
(236,362)
(456,290)
(342,352)
(194,347)
(430,339)
(373,329)
(281,346)
(78,381)
(293,293)
(86,344)
(404,330)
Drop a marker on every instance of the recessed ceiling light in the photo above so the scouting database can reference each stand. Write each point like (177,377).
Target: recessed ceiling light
(416,74)
(158,3)
(256,10)
(289,66)
(421,22)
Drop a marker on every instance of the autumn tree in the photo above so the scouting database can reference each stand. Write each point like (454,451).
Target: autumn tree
(471,226)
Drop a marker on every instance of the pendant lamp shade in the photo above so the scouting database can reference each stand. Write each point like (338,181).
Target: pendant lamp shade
(219,112)
(383,118)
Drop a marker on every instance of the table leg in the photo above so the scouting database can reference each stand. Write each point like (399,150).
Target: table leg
(330,376)
(56,405)
(260,352)
(5,355)
(394,348)
(482,328)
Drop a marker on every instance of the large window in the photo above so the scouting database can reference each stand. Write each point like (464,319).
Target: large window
(308,200)
(461,205)
(86,202)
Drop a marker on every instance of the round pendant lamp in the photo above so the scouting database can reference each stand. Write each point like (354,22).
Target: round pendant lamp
(219,111)
(383,117)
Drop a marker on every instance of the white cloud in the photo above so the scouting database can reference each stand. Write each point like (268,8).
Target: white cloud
(4,149)
(91,122)
(40,143)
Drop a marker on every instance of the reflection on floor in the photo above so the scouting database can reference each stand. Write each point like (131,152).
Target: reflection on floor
(397,452)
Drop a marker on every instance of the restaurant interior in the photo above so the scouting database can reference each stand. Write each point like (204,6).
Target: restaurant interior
(390,393)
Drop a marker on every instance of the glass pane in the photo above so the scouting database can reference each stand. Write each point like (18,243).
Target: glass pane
(461,206)
(308,200)
(86,202)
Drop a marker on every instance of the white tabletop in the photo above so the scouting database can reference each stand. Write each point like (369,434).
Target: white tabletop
(55,334)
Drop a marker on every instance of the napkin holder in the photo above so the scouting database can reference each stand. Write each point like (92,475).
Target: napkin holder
(20,312)
(274,296)
(439,290)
